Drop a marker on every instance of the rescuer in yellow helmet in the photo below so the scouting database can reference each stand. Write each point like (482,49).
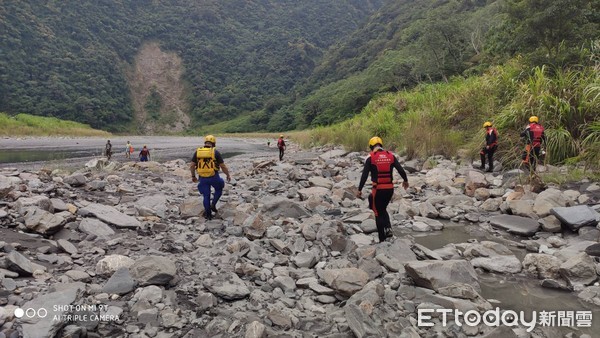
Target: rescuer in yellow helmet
(206,162)
(281,146)
(380,164)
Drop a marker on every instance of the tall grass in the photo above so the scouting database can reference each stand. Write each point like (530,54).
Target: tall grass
(441,118)
(30,125)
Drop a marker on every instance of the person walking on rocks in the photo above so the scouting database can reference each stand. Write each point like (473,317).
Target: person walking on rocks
(128,150)
(534,136)
(108,150)
(206,162)
(281,146)
(381,164)
(491,144)
(144,154)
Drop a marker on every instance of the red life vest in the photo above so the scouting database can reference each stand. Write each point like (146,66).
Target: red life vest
(383,160)
(493,139)
(536,130)
(280,143)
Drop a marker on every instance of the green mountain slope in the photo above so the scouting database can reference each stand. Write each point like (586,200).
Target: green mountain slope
(70,59)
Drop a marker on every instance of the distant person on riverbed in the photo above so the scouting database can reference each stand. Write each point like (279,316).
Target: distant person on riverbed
(381,164)
(128,150)
(281,146)
(206,162)
(108,150)
(144,154)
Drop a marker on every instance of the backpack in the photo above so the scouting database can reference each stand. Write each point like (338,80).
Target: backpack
(207,163)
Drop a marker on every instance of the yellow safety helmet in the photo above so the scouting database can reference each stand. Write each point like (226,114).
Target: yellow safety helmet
(375,140)
(533,119)
(487,124)
(281,136)
(211,139)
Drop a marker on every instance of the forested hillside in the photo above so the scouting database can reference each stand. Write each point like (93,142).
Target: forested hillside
(274,65)
(72,59)
(411,42)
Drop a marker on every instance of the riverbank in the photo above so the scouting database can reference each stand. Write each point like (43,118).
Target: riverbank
(292,251)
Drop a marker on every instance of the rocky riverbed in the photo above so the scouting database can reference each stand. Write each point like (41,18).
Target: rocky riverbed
(120,250)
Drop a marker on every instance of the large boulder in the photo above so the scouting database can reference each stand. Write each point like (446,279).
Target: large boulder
(153,270)
(227,286)
(516,224)
(543,266)
(361,318)
(346,281)
(111,263)
(19,264)
(548,199)
(153,205)
(492,256)
(93,226)
(438,274)
(23,204)
(579,270)
(576,217)
(278,207)
(43,222)
(473,181)
(110,215)
(75,180)
(48,326)
(191,207)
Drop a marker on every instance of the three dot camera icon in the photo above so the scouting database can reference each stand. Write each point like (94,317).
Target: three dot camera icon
(31,313)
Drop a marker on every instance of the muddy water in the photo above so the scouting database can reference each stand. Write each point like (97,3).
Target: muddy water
(514,292)
(35,153)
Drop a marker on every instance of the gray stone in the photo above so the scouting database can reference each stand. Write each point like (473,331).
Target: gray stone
(75,180)
(153,205)
(516,224)
(305,259)
(92,226)
(278,207)
(543,266)
(576,217)
(19,264)
(548,199)
(593,250)
(24,203)
(120,283)
(346,281)
(227,286)
(205,301)
(77,275)
(437,274)
(43,222)
(359,311)
(501,264)
(285,283)
(522,208)
(255,330)
(153,270)
(67,246)
(368,226)
(58,205)
(111,263)
(551,224)
(579,270)
(38,327)
(426,209)
(191,207)
(110,215)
